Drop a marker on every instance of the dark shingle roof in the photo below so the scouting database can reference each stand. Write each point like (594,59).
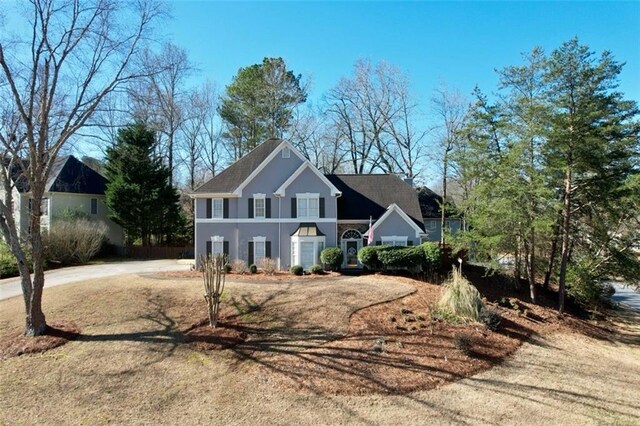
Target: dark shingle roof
(231,177)
(370,195)
(69,174)
(430,204)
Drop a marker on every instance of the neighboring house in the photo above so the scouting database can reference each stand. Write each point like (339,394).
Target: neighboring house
(72,185)
(431,215)
(274,203)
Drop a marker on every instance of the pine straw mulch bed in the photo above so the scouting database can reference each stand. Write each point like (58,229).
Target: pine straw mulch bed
(57,334)
(278,276)
(390,348)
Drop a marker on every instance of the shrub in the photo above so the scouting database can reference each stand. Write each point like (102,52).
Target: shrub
(74,241)
(461,297)
(368,256)
(316,269)
(401,257)
(239,266)
(333,257)
(586,287)
(268,265)
(227,268)
(253,268)
(296,270)
(8,264)
(431,253)
(490,318)
(464,343)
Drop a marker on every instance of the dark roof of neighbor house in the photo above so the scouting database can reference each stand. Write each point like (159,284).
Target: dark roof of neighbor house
(233,176)
(68,174)
(430,204)
(370,195)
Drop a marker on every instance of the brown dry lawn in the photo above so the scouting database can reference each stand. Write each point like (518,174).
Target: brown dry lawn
(130,364)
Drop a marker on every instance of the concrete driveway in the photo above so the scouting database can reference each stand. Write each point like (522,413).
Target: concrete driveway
(626,295)
(10,287)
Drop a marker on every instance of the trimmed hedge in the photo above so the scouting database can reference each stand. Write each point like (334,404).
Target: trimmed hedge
(253,268)
(425,256)
(332,257)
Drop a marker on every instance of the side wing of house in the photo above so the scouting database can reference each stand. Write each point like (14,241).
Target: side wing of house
(395,228)
(279,207)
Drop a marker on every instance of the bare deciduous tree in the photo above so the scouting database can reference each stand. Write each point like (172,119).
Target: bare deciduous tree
(76,54)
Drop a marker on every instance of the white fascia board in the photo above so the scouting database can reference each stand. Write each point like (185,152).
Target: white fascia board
(280,192)
(213,195)
(394,207)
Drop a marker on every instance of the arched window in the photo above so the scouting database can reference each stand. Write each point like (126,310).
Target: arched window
(351,234)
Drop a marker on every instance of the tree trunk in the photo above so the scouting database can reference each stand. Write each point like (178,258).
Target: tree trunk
(445,164)
(552,255)
(566,223)
(35,320)
(531,269)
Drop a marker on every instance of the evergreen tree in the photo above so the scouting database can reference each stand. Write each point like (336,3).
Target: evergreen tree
(259,104)
(139,195)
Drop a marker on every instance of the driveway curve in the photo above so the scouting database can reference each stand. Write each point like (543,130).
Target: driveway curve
(10,287)
(627,295)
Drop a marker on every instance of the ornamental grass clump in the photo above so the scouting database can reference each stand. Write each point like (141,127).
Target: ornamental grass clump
(461,298)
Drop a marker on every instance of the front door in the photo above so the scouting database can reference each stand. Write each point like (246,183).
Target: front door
(352,254)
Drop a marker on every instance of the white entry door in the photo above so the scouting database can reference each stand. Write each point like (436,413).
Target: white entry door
(307,254)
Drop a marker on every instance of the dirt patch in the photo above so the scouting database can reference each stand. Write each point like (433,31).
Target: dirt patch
(278,276)
(16,343)
(227,334)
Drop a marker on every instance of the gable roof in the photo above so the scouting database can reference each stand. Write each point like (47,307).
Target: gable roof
(306,165)
(371,195)
(430,204)
(68,174)
(394,208)
(236,174)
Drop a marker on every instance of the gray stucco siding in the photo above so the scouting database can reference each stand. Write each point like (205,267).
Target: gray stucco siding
(432,227)
(394,224)
(201,207)
(309,182)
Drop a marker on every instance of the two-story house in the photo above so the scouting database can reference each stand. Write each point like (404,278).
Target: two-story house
(274,203)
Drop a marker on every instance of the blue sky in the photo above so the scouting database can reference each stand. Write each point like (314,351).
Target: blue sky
(461,43)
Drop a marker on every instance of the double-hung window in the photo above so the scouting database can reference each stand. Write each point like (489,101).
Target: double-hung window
(217,208)
(259,249)
(259,206)
(217,245)
(308,206)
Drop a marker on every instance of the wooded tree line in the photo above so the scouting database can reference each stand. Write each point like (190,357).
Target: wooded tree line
(550,171)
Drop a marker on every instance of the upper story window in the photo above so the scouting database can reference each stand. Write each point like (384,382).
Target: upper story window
(217,208)
(286,152)
(432,224)
(259,206)
(94,206)
(308,206)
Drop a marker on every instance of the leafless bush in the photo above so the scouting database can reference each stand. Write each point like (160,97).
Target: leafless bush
(267,265)
(239,266)
(74,241)
(213,274)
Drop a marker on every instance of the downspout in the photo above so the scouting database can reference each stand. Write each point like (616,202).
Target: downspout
(338,195)
(279,228)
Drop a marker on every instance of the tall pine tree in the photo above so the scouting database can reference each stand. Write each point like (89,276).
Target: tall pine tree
(139,195)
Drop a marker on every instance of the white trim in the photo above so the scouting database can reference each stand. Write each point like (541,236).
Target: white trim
(261,166)
(280,192)
(259,239)
(257,197)
(217,239)
(286,152)
(262,196)
(394,207)
(269,220)
(214,195)
(346,221)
